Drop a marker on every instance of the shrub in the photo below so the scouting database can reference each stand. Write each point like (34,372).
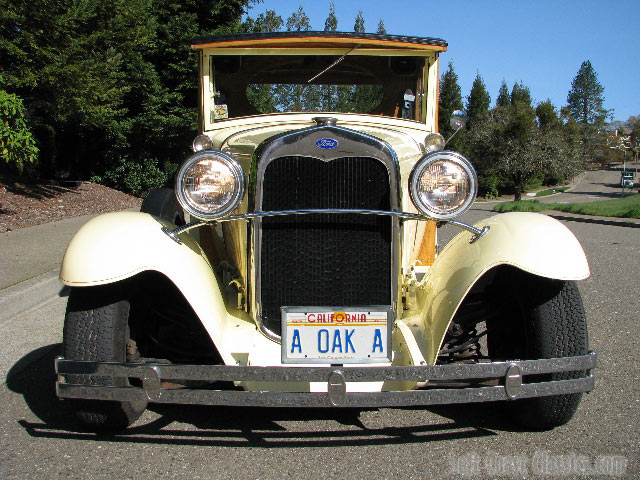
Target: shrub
(488,186)
(17,145)
(134,177)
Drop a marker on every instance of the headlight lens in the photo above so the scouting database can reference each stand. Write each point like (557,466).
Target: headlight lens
(433,143)
(443,185)
(210,185)
(201,142)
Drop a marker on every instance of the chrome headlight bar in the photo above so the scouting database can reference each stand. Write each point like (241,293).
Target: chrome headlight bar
(477,232)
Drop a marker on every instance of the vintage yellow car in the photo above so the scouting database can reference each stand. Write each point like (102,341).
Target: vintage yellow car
(295,263)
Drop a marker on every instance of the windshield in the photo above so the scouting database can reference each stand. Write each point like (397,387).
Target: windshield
(244,85)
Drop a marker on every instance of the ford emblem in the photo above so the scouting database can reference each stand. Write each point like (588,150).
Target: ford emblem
(327,143)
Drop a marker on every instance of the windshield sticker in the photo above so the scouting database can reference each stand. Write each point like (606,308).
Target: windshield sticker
(327,143)
(221,112)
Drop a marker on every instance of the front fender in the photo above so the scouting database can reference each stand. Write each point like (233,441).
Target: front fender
(116,246)
(532,242)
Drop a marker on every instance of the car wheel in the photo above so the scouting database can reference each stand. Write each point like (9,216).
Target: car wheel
(162,203)
(96,329)
(552,324)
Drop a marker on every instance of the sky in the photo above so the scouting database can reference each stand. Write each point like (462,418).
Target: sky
(541,43)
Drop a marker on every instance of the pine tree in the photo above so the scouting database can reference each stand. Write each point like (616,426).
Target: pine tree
(298,21)
(547,116)
(478,101)
(381,30)
(265,22)
(359,24)
(520,95)
(450,100)
(503,99)
(98,76)
(331,23)
(585,99)
(585,102)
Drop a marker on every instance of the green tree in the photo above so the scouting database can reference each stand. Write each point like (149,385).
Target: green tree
(503,99)
(585,102)
(265,22)
(381,30)
(450,99)
(520,95)
(547,117)
(331,23)
(478,101)
(17,145)
(358,26)
(108,82)
(516,147)
(298,21)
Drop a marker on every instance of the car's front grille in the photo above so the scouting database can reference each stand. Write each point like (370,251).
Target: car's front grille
(329,259)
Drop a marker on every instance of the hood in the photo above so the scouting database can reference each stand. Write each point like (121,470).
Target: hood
(240,137)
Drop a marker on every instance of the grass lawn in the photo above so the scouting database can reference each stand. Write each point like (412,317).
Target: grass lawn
(624,207)
(551,191)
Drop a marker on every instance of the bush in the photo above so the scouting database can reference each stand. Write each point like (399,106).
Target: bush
(17,145)
(489,186)
(134,177)
(534,182)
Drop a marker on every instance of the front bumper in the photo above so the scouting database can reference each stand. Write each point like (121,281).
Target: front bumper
(511,377)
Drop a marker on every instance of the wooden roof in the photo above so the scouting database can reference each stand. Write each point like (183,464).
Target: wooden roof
(319,40)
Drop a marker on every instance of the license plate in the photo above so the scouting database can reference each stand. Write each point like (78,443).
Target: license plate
(336,335)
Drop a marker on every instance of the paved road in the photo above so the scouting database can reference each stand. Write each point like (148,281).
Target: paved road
(38,438)
(602,184)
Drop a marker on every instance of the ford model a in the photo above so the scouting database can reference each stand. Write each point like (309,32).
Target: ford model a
(295,263)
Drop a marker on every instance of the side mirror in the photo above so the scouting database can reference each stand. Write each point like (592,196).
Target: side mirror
(458,119)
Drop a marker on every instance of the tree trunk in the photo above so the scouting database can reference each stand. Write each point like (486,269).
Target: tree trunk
(518,192)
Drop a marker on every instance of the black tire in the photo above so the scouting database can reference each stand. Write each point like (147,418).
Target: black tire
(96,329)
(162,203)
(549,322)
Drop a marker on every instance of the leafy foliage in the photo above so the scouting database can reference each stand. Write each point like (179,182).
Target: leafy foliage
(17,145)
(513,143)
(108,82)
(265,22)
(136,177)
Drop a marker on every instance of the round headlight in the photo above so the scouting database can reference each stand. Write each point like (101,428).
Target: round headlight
(443,185)
(433,143)
(210,185)
(201,142)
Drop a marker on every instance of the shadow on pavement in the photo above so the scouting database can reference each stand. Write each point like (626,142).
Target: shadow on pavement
(236,426)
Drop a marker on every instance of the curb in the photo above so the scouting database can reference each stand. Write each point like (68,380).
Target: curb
(23,296)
